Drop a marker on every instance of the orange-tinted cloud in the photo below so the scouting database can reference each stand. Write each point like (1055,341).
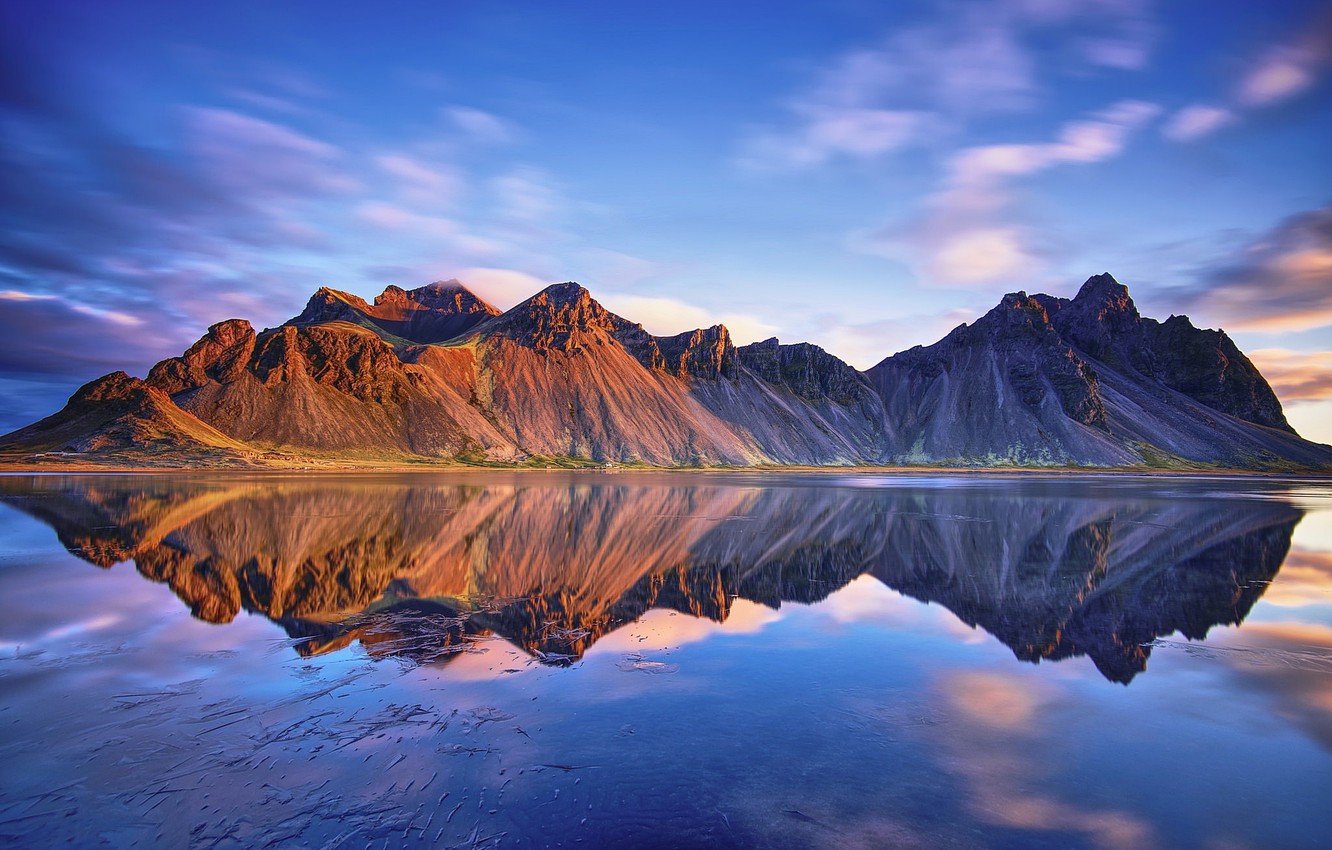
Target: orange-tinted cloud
(1281,280)
(1296,375)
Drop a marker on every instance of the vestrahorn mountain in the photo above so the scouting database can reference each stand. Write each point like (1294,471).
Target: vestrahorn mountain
(436,373)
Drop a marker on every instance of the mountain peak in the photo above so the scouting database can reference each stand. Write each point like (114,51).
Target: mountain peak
(1016,312)
(446,295)
(1103,321)
(330,305)
(568,292)
(1105,292)
(561,316)
(428,314)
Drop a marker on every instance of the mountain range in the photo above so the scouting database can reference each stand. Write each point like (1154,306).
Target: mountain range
(436,374)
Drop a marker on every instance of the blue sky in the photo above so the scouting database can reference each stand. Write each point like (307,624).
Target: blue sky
(861,175)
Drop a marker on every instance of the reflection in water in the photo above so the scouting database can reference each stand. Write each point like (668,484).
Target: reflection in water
(420,569)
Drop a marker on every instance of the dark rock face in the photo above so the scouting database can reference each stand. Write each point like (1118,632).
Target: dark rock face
(434,313)
(562,317)
(1207,366)
(566,317)
(809,371)
(1085,381)
(1007,388)
(706,353)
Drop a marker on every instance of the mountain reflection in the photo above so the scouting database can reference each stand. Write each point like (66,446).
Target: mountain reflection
(420,568)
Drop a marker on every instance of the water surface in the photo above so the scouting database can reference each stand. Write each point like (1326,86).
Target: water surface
(673,660)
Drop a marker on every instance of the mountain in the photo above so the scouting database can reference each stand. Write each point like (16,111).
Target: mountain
(121,417)
(1042,380)
(437,374)
(418,569)
(434,313)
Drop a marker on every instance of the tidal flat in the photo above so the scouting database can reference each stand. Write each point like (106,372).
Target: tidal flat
(589,659)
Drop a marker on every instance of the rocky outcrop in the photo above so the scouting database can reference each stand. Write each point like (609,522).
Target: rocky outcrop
(1006,389)
(1085,381)
(1205,365)
(429,314)
(221,355)
(117,414)
(706,353)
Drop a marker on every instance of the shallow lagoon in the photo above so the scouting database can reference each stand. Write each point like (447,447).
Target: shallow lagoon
(665,660)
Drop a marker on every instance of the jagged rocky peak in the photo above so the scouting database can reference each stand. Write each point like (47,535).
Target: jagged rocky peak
(808,370)
(563,316)
(1107,294)
(330,305)
(426,315)
(115,386)
(221,354)
(1102,301)
(1103,321)
(229,332)
(704,353)
(449,295)
(1207,365)
(1016,314)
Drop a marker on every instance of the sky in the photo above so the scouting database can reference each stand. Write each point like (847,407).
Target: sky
(860,175)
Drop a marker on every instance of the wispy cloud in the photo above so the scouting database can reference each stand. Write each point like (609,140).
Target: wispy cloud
(1296,376)
(1277,73)
(826,132)
(1285,70)
(1195,121)
(502,287)
(920,82)
(259,159)
(481,126)
(968,234)
(426,184)
(49,335)
(385,216)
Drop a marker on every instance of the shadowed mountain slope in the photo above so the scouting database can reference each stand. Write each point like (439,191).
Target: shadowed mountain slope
(118,412)
(1042,380)
(434,313)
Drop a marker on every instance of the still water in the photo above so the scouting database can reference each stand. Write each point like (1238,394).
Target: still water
(665,660)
